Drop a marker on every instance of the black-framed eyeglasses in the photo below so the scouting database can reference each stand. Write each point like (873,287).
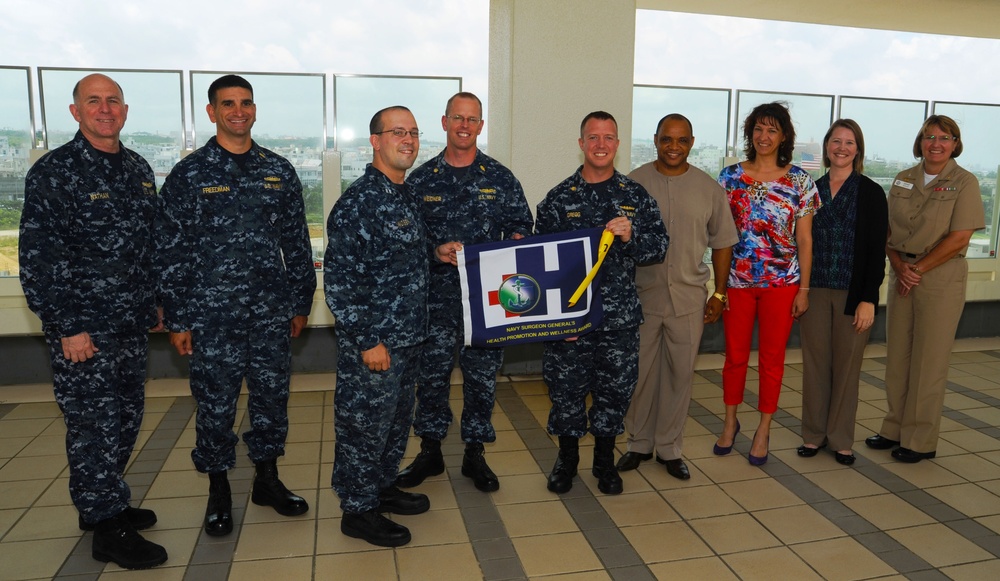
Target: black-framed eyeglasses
(460,119)
(400,132)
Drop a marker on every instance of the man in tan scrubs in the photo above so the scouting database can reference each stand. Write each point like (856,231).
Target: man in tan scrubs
(673,294)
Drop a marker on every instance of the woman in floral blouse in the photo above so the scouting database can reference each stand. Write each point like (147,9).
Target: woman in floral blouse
(773,203)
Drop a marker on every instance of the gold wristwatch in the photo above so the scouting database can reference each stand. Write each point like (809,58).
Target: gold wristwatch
(722,298)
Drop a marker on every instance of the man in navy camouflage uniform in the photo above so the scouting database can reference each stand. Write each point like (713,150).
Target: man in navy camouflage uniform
(237,284)
(466,197)
(604,362)
(85,261)
(375,281)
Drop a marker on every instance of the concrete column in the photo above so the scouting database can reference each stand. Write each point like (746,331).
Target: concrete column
(551,63)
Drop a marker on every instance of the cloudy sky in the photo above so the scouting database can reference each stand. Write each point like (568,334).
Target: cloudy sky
(450,38)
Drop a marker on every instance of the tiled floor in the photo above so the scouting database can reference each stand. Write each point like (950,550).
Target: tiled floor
(794,518)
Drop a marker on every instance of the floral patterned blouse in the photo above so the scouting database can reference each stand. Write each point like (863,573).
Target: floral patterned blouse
(765,215)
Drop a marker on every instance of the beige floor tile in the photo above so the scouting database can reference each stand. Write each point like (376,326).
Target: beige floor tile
(705,568)
(33,468)
(179,483)
(271,569)
(435,527)
(584,576)
(328,504)
(666,542)
(536,518)
(304,433)
(798,524)
(501,423)
(888,511)
(28,428)
(551,554)
(974,571)
(993,522)
(513,462)
(699,446)
(775,564)
(44,446)
(701,502)
(731,468)
(40,410)
(10,447)
(45,522)
(329,539)
(939,545)
(507,441)
(161,573)
(289,538)
(866,411)
(299,453)
(846,483)
(524,388)
(305,414)
(972,440)
(641,508)
(842,559)
(734,533)
(925,474)
(972,467)
(539,402)
(34,559)
(56,494)
(21,494)
(761,494)
(303,476)
(957,401)
(178,459)
(439,492)
(434,563)
(367,565)
(177,513)
(991,485)
(8,517)
(968,498)
(521,488)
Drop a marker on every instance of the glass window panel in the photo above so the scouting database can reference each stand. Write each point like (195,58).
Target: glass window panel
(707,109)
(15,144)
(357,98)
(811,116)
(889,126)
(155,126)
(291,121)
(981,156)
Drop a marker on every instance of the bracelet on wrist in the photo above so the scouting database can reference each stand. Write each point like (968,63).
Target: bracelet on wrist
(805,288)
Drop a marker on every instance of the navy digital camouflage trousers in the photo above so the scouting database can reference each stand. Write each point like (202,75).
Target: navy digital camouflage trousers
(222,358)
(479,371)
(603,364)
(102,402)
(372,416)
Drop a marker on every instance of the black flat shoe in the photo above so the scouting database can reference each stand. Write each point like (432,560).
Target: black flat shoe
(877,442)
(845,459)
(910,457)
(807,452)
(631,460)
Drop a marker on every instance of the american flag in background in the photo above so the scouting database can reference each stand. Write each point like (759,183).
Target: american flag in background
(811,162)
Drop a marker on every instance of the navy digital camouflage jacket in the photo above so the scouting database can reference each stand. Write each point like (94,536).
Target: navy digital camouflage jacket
(574,205)
(232,243)
(85,241)
(375,268)
(487,206)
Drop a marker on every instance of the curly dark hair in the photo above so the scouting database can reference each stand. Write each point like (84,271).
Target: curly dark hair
(770,114)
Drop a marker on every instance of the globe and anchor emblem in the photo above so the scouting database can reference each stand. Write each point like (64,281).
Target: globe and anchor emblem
(519,294)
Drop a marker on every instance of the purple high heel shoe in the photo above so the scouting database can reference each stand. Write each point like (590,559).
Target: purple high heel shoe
(758,460)
(723,450)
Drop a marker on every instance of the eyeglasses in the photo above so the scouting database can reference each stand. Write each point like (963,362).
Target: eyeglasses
(460,119)
(400,132)
(942,138)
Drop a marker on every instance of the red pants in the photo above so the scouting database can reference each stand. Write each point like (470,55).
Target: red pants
(773,307)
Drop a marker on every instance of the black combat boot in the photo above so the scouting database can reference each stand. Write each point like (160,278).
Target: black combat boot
(608,480)
(374,528)
(429,462)
(219,513)
(140,519)
(561,478)
(116,540)
(269,491)
(475,467)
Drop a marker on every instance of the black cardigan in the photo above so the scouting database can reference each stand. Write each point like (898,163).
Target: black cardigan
(871,229)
